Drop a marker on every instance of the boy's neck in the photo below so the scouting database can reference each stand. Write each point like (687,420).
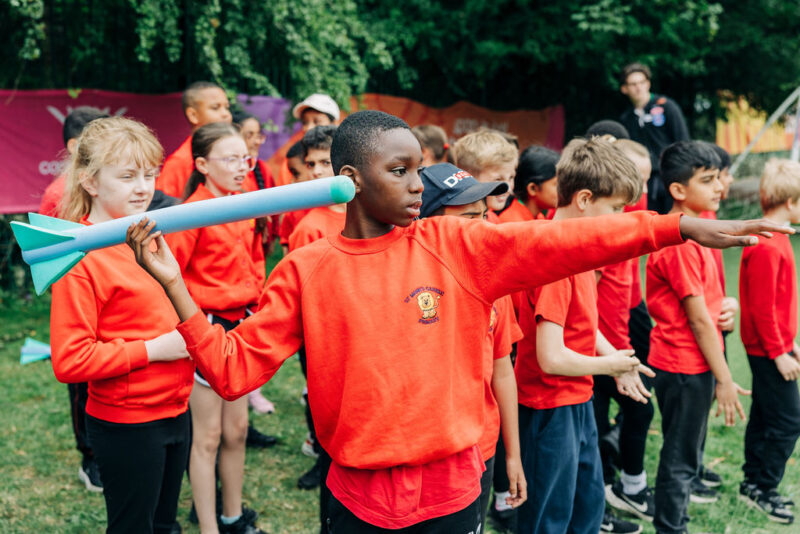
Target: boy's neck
(532,206)
(360,225)
(680,207)
(779,215)
(569,211)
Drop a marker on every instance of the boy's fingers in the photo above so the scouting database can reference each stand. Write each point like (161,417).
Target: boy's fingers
(646,371)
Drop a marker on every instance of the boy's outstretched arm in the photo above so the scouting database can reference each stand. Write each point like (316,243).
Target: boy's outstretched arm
(504,387)
(705,333)
(726,234)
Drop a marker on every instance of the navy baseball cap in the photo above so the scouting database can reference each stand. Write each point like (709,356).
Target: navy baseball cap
(447,185)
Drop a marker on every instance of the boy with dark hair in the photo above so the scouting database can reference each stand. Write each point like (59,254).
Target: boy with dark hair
(607,127)
(561,351)
(655,121)
(203,103)
(451,191)
(684,297)
(396,372)
(768,289)
(88,472)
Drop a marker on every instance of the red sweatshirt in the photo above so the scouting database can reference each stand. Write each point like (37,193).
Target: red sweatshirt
(393,329)
(222,265)
(515,212)
(318,223)
(289,222)
(176,170)
(768,292)
(614,297)
(52,196)
(102,312)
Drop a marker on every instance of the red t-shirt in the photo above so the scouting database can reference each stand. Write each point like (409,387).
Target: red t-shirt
(103,310)
(712,215)
(614,302)
(572,304)
(222,265)
(515,212)
(318,223)
(501,335)
(289,222)
(52,196)
(672,275)
(636,283)
(768,293)
(398,350)
(176,170)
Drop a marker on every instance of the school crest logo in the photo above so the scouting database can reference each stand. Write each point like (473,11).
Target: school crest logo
(427,299)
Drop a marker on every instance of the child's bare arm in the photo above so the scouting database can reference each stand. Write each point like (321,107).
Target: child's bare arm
(705,333)
(629,384)
(504,386)
(557,359)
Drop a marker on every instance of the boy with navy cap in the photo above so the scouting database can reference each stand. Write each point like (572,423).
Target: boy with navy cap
(452,191)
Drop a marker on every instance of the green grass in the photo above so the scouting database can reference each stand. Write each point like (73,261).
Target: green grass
(40,490)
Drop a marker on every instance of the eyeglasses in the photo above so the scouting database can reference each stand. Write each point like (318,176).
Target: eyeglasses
(259,136)
(234,163)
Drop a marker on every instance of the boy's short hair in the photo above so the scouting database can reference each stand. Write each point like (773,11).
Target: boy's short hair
(356,138)
(295,151)
(318,138)
(679,161)
(722,154)
(607,127)
(432,137)
(630,147)
(482,149)
(77,120)
(537,165)
(630,68)
(190,93)
(779,182)
(599,166)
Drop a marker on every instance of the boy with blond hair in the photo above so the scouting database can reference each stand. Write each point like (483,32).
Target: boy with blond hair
(488,157)
(768,289)
(561,351)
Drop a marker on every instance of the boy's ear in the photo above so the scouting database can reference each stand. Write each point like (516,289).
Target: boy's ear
(678,191)
(191,116)
(532,189)
(583,198)
(352,173)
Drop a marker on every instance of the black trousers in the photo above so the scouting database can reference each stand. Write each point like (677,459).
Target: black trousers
(466,521)
(324,493)
(500,480)
(684,401)
(486,487)
(309,419)
(773,426)
(78,395)
(141,466)
(635,422)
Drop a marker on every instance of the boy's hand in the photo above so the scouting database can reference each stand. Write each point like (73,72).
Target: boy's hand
(727,316)
(630,384)
(621,362)
(788,367)
(725,234)
(160,264)
(728,401)
(518,487)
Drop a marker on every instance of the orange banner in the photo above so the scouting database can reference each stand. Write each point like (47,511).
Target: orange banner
(743,124)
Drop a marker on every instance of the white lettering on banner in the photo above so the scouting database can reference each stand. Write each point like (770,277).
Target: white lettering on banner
(60,117)
(51,168)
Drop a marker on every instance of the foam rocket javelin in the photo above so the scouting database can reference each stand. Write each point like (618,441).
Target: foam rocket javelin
(51,247)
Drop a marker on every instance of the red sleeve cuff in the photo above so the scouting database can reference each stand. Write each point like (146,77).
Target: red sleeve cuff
(194,329)
(667,229)
(137,354)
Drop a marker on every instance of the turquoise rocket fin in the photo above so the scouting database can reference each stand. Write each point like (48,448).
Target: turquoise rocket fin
(51,223)
(31,237)
(44,273)
(33,351)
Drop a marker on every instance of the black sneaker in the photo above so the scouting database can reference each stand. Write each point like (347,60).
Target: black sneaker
(618,526)
(709,477)
(258,440)
(702,494)
(770,503)
(89,474)
(311,478)
(241,526)
(642,504)
(503,521)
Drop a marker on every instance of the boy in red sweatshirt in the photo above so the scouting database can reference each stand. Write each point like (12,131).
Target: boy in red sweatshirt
(684,297)
(392,313)
(768,289)
(203,103)
(561,351)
